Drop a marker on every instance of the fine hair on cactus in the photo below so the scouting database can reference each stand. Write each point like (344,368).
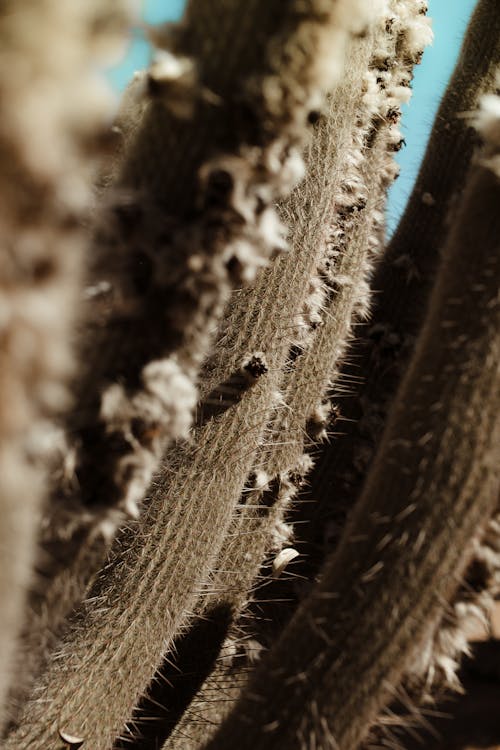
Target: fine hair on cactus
(249,438)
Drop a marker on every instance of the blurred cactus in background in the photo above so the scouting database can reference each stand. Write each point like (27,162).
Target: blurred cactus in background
(249,449)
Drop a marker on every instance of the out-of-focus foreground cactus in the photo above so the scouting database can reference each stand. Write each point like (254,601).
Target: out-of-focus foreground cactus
(249,452)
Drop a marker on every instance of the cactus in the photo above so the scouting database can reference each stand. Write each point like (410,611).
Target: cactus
(50,142)
(206,335)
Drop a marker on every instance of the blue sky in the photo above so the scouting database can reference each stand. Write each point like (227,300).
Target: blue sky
(449,20)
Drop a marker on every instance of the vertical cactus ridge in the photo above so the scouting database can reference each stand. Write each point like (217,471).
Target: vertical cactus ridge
(402,554)
(50,140)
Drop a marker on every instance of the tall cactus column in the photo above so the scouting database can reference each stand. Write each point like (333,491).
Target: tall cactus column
(221,216)
(433,486)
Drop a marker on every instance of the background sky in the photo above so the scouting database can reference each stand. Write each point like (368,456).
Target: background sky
(449,21)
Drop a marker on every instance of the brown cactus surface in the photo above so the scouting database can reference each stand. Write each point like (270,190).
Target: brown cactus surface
(249,449)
